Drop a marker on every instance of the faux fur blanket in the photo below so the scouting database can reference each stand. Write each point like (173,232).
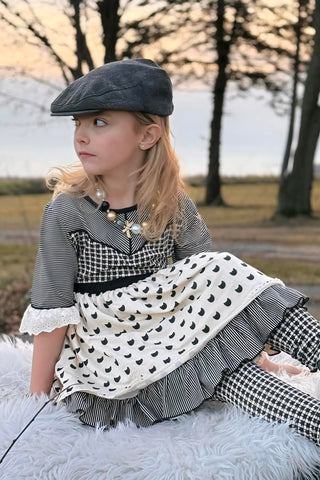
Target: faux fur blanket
(216,442)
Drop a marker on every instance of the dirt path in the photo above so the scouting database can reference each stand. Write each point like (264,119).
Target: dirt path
(310,253)
(240,247)
(19,237)
(306,253)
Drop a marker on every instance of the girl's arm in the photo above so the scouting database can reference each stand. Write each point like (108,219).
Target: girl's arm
(46,351)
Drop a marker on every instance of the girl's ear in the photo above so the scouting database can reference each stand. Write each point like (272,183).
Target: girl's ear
(151,135)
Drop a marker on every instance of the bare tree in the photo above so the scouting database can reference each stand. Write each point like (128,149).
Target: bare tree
(233,42)
(303,21)
(31,29)
(120,35)
(110,19)
(247,49)
(295,188)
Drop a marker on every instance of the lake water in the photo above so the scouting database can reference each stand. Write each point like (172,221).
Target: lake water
(252,141)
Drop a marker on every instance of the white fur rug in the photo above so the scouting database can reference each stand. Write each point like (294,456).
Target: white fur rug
(217,442)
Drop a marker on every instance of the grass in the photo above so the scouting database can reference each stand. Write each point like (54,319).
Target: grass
(246,218)
(16,261)
(15,186)
(289,271)
(252,203)
(22,212)
(247,204)
(248,214)
(16,269)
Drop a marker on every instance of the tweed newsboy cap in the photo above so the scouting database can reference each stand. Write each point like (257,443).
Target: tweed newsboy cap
(131,85)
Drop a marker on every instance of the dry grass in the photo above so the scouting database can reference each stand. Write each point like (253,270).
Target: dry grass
(247,218)
(258,197)
(16,262)
(16,267)
(289,271)
(22,212)
(248,214)
(14,298)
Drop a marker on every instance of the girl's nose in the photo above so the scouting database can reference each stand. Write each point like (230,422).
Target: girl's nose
(81,134)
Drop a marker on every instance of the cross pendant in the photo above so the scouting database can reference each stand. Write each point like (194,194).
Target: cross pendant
(127,228)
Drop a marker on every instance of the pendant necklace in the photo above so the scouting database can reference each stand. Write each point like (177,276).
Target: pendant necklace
(126,226)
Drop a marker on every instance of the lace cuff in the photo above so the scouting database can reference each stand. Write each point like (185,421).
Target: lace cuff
(35,321)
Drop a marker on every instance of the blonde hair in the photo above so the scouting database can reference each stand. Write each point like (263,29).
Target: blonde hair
(158,188)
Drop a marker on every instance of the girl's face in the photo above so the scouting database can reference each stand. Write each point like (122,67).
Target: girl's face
(109,143)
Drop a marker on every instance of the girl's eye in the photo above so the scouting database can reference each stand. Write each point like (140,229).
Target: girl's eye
(76,122)
(99,123)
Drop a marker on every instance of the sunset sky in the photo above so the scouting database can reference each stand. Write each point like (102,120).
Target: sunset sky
(18,47)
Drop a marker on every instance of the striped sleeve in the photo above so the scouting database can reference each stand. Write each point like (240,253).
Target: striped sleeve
(52,301)
(56,265)
(194,236)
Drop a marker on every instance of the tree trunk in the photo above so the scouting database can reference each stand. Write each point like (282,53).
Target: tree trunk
(213,188)
(293,107)
(295,188)
(82,51)
(110,20)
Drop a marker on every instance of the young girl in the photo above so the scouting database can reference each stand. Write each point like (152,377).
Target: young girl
(134,316)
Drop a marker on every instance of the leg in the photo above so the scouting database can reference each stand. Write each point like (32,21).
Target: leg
(299,336)
(260,394)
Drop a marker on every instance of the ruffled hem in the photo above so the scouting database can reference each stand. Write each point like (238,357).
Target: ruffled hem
(195,381)
(35,320)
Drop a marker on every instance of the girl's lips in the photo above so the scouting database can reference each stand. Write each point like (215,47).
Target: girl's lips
(85,154)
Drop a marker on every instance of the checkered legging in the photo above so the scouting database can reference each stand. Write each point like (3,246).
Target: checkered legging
(261,394)
(299,336)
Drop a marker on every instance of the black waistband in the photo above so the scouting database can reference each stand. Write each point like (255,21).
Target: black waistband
(100,287)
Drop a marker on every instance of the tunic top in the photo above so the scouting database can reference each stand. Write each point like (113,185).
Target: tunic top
(79,246)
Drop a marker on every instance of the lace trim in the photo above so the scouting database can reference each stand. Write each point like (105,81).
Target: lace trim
(35,321)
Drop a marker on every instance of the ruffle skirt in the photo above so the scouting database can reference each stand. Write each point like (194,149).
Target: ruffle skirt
(189,385)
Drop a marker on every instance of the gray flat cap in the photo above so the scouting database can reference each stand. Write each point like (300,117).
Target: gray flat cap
(131,85)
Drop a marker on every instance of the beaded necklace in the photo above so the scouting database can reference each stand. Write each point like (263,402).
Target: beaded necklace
(126,226)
